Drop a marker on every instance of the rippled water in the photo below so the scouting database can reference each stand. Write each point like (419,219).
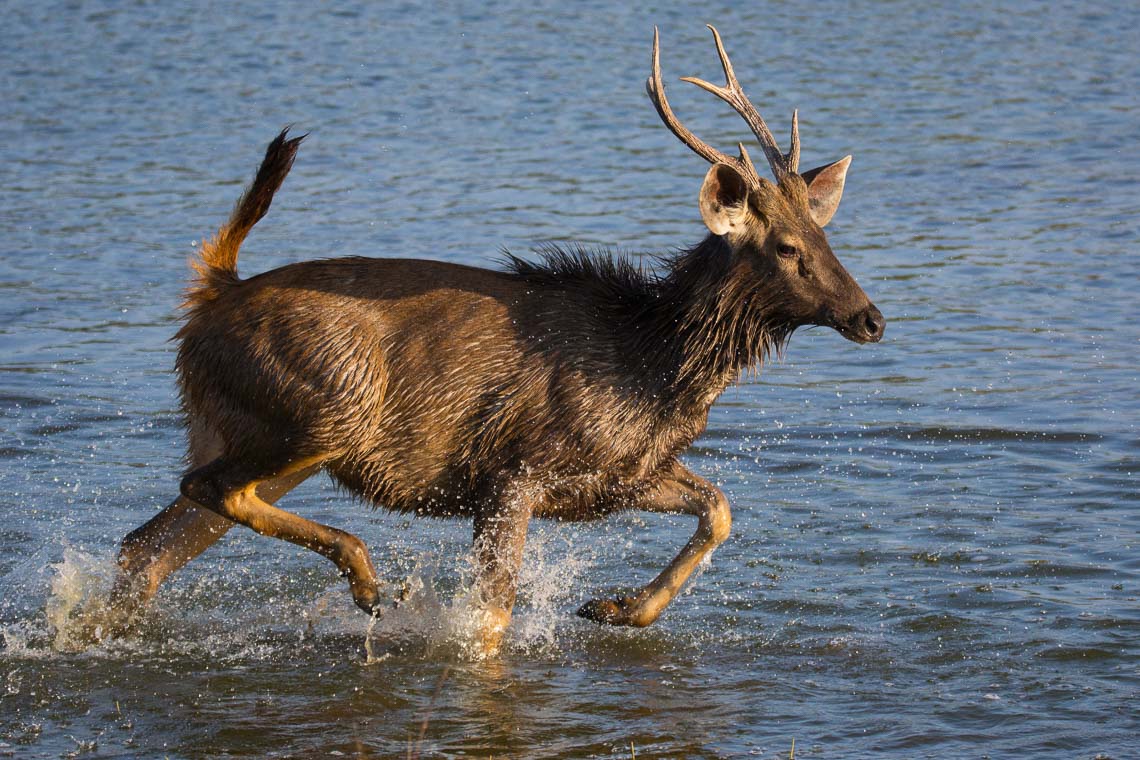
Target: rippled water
(935,539)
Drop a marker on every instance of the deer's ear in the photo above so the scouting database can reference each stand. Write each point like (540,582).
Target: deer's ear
(825,188)
(724,199)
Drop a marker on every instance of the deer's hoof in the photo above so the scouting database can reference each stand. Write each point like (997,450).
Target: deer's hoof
(367,598)
(610,611)
(492,627)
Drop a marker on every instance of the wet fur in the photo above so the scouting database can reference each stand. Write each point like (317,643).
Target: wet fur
(565,387)
(424,386)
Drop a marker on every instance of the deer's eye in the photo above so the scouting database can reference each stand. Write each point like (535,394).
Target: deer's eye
(787,251)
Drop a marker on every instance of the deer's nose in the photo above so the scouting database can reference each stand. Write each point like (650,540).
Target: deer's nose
(873,324)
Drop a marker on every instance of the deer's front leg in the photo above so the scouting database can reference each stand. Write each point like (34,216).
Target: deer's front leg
(500,534)
(683,492)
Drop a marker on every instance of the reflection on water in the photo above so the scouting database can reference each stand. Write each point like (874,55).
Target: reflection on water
(934,537)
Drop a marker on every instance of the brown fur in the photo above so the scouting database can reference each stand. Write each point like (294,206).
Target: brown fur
(563,388)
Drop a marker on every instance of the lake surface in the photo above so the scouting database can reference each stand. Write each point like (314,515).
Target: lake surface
(934,551)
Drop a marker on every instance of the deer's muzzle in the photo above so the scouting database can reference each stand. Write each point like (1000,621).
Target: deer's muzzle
(864,326)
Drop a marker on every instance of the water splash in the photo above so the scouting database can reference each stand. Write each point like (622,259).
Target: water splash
(64,613)
(437,615)
(447,618)
(79,584)
(551,572)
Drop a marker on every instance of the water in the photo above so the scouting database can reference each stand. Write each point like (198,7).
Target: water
(934,549)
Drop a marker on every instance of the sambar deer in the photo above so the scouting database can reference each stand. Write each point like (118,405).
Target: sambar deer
(562,389)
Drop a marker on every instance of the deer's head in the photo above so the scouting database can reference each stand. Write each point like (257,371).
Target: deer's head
(775,229)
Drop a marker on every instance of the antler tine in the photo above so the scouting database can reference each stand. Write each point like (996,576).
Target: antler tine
(656,89)
(793,155)
(733,94)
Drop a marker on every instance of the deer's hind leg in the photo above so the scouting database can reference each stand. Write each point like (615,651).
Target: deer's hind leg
(680,492)
(173,537)
(230,488)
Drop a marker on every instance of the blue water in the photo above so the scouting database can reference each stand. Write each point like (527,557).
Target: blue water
(934,548)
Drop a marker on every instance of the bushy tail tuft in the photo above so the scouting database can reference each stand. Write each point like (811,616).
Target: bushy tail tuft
(216,266)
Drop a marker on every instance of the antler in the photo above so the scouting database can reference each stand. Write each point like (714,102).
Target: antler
(781,163)
(656,89)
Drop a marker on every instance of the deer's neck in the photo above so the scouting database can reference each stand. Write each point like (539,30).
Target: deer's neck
(711,322)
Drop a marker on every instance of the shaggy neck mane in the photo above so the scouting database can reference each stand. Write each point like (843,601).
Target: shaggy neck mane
(723,322)
(694,323)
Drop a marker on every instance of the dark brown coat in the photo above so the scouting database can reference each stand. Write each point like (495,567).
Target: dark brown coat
(563,388)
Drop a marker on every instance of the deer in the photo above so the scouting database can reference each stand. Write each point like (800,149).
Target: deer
(563,388)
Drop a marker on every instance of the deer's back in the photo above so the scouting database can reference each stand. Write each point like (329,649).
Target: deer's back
(420,382)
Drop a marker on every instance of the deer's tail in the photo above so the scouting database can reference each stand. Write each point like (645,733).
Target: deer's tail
(216,265)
